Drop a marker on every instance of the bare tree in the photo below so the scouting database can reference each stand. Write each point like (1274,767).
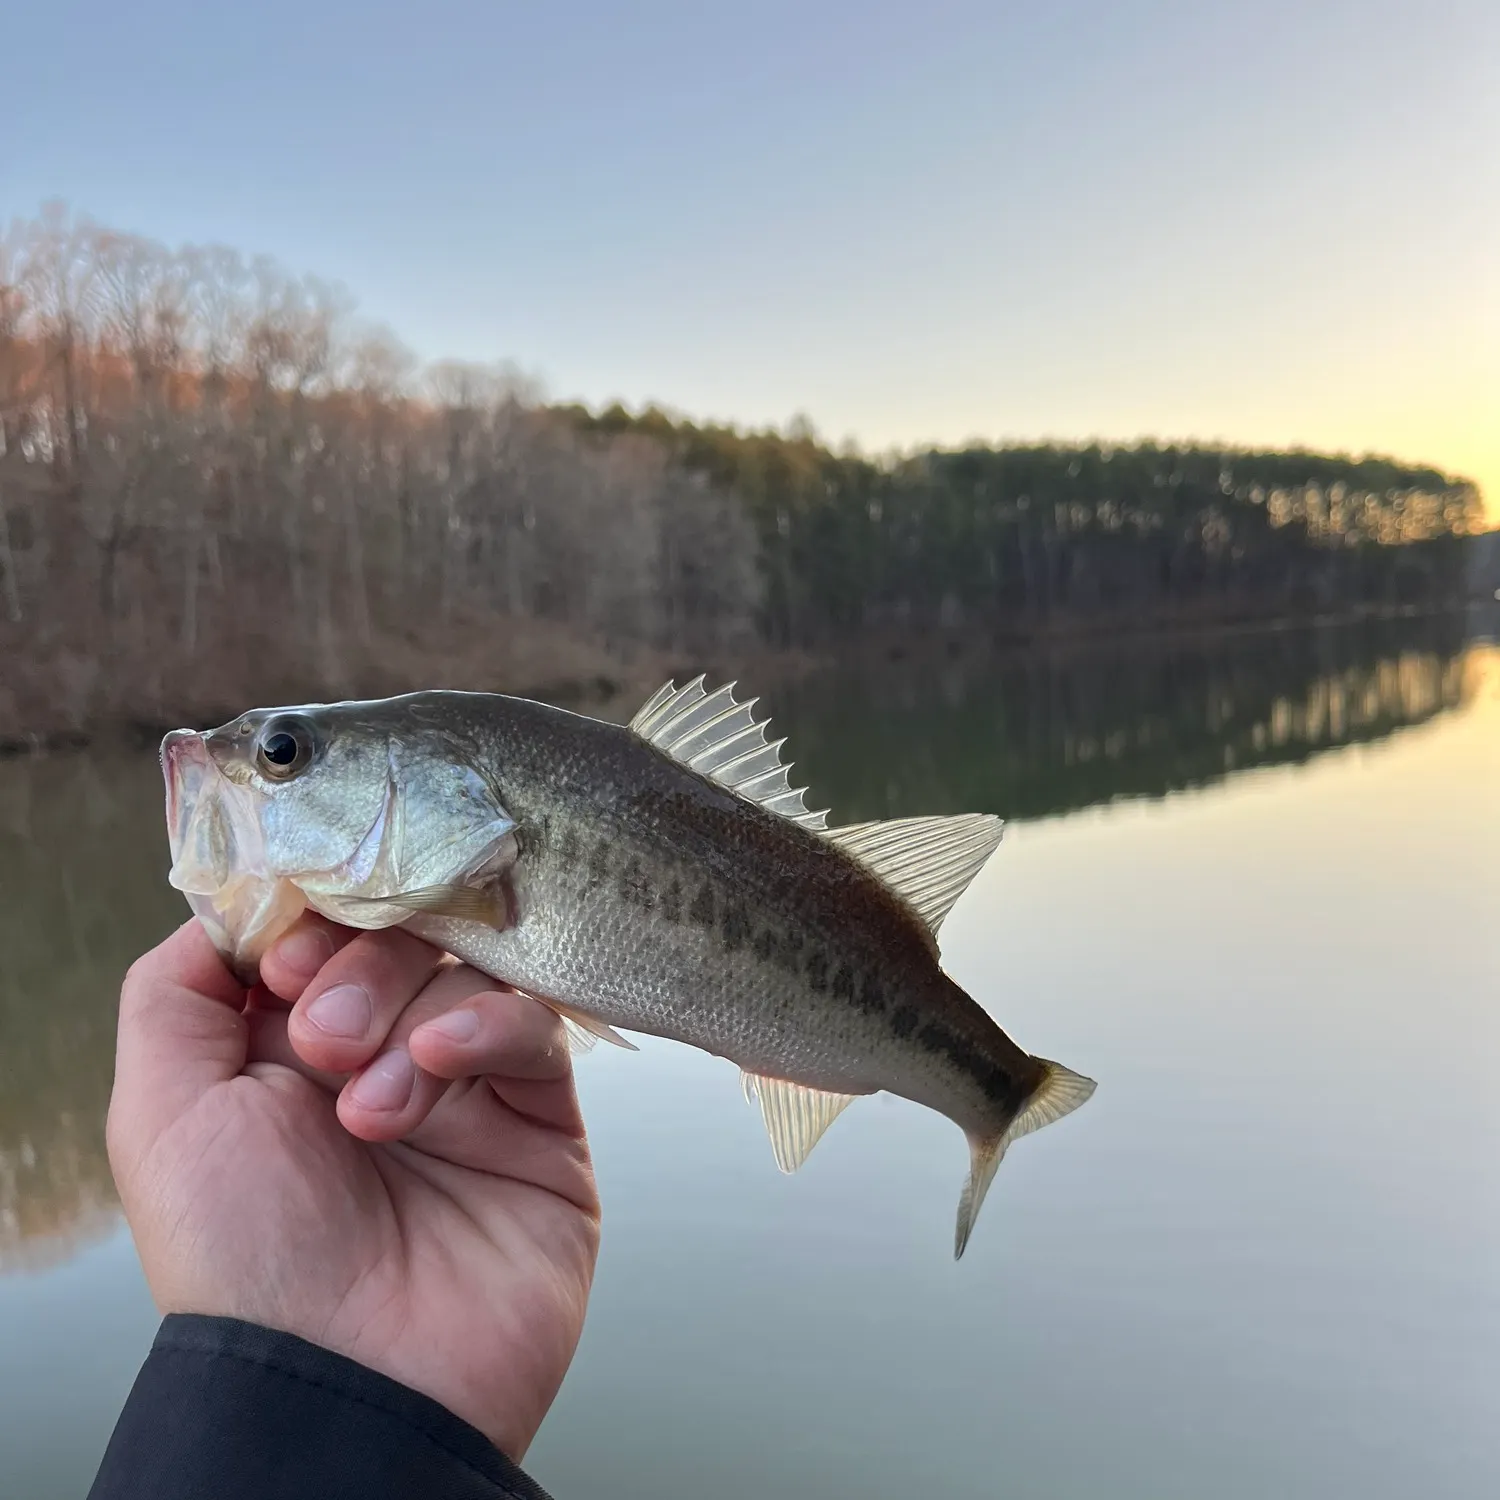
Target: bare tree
(215,490)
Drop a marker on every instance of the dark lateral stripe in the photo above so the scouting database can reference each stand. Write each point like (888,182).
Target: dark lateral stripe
(996,1081)
(735,925)
(636,888)
(702,911)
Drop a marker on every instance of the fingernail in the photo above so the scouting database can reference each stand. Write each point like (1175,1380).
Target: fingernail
(306,949)
(387,1083)
(458,1026)
(344,1011)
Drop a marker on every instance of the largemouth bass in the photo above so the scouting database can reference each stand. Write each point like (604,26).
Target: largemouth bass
(662,877)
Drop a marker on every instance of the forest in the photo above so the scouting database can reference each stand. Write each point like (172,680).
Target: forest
(218,486)
(1018,538)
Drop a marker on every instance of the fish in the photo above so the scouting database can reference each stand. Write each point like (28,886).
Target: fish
(661,877)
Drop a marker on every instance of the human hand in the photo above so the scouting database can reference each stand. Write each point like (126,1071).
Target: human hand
(353,1170)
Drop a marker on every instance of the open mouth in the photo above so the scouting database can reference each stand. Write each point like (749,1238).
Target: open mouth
(218,856)
(182,754)
(201,823)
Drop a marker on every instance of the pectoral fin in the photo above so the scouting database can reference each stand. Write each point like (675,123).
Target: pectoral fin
(464,903)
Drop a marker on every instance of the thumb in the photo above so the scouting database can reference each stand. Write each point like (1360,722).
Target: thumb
(181,1031)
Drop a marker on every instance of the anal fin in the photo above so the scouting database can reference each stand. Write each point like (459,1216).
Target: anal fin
(795,1116)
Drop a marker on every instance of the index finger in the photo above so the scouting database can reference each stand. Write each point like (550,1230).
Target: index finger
(296,958)
(180,1028)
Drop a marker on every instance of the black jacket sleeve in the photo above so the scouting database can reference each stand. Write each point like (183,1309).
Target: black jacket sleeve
(232,1410)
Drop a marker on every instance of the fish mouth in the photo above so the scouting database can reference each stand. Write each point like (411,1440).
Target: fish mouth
(218,856)
(200,821)
(180,749)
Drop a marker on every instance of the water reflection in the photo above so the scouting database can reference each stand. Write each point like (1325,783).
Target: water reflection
(1047,734)
(83,855)
(82,891)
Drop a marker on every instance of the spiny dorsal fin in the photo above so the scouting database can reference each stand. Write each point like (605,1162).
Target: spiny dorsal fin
(720,737)
(795,1116)
(928,862)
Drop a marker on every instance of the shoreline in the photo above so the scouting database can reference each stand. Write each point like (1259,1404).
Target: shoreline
(616,695)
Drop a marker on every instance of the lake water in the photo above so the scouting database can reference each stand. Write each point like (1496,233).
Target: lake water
(1249,885)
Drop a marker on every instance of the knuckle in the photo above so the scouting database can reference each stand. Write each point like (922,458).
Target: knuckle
(136,986)
(389,958)
(117,1137)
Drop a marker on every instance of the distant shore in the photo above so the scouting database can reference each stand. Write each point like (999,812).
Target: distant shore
(614,684)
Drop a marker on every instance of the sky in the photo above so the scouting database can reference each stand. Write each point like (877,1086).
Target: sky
(1266,224)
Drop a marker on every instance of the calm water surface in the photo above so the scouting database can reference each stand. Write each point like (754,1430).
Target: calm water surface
(1249,886)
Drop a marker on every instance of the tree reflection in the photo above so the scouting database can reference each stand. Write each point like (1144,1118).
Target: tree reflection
(82,893)
(1041,734)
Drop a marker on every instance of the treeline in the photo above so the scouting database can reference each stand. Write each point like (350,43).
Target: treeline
(1021,538)
(216,488)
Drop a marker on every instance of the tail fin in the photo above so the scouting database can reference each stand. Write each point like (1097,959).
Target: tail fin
(1059,1093)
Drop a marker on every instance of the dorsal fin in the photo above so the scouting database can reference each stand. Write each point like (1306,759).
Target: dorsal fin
(720,737)
(928,862)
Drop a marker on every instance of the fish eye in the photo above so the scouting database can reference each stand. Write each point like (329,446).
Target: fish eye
(284,750)
(280,749)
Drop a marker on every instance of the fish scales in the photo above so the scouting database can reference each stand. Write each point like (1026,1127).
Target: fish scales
(686,912)
(672,907)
